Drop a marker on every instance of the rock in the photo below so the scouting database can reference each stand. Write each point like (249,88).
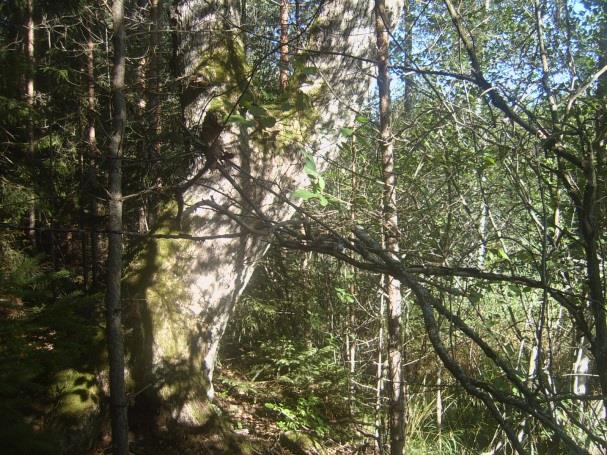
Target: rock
(301,443)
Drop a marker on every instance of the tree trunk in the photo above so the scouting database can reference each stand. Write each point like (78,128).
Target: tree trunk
(91,159)
(29,100)
(118,404)
(380,372)
(155,101)
(29,83)
(284,44)
(183,291)
(394,299)
(592,213)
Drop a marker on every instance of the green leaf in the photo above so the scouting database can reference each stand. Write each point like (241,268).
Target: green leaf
(236,118)
(321,183)
(266,122)
(503,254)
(304,194)
(475,296)
(309,70)
(310,167)
(347,132)
(258,111)
(361,119)
(344,296)
(489,160)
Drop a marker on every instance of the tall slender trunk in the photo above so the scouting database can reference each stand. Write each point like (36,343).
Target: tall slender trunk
(408,17)
(156,13)
(439,406)
(592,214)
(91,160)
(379,391)
(83,223)
(29,92)
(350,274)
(118,403)
(29,83)
(581,368)
(284,44)
(144,150)
(390,221)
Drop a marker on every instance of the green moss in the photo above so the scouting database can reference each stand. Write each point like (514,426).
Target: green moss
(223,64)
(75,393)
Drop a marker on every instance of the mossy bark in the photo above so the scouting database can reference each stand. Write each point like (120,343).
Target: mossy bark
(180,293)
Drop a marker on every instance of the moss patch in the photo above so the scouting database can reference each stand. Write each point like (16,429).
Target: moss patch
(75,393)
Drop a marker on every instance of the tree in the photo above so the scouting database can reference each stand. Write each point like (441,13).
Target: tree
(118,403)
(496,135)
(249,152)
(481,149)
(390,233)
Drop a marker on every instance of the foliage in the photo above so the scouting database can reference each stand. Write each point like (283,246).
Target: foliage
(50,352)
(502,213)
(311,380)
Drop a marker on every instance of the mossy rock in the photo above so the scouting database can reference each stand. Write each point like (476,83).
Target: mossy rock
(301,443)
(77,409)
(75,393)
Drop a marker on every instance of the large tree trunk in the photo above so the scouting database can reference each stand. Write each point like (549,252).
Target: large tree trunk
(182,292)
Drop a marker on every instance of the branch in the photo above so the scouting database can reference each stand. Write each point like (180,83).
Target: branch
(550,142)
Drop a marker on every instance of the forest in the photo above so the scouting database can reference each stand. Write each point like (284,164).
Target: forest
(300,227)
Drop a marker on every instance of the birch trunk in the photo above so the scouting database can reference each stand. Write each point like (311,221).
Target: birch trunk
(181,292)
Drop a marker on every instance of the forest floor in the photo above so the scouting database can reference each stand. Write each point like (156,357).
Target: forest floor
(240,424)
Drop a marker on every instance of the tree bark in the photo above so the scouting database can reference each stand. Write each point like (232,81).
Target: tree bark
(390,228)
(118,403)
(591,215)
(91,159)
(284,44)
(156,13)
(30,95)
(182,292)
(29,83)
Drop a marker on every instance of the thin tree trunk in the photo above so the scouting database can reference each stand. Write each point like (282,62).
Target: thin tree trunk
(409,5)
(593,212)
(284,44)
(379,392)
(144,148)
(83,224)
(118,403)
(93,152)
(156,12)
(439,406)
(394,298)
(351,276)
(581,369)
(29,83)
(29,100)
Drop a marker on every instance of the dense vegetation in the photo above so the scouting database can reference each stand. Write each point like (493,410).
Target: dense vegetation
(495,227)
